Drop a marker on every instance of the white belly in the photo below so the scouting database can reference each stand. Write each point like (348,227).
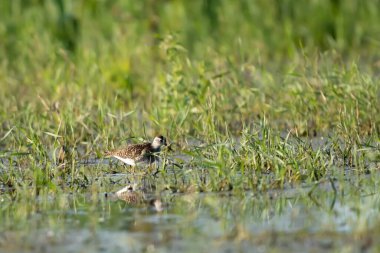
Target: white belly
(128,161)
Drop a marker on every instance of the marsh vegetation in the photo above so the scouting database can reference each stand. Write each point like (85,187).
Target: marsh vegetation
(271,109)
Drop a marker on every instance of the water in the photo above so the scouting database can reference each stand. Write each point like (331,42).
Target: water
(291,220)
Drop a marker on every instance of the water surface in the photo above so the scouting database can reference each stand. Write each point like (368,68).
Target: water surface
(328,217)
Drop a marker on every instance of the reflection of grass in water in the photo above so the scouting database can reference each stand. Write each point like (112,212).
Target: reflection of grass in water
(240,96)
(275,219)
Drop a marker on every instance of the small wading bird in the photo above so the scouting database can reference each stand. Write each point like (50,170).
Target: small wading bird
(139,153)
(132,195)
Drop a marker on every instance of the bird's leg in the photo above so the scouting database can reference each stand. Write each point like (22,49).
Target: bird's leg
(157,167)
(125,166)
(135,168)
(156,173)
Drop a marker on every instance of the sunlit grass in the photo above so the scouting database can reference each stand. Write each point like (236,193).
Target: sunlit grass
(250,119)
(253,103)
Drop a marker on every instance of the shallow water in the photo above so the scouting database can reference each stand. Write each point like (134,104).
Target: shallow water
(337,215)
(303,219)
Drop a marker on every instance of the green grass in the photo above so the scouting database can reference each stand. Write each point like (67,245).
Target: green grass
(91,75)
(255,96)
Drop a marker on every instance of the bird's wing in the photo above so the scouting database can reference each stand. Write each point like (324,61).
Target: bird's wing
(131,151)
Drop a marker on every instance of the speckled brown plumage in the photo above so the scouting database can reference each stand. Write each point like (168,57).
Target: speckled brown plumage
(134,195)
(130,195)
(136,153)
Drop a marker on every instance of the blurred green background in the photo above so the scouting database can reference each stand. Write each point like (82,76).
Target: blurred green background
(255,95)
(109,68)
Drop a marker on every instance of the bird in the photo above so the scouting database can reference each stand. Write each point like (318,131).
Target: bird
(134,195)
(130,195)
(138,153)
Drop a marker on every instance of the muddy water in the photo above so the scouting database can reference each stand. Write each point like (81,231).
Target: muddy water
(304,219)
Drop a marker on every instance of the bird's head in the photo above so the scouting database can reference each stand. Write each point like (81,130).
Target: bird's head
(159,141)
